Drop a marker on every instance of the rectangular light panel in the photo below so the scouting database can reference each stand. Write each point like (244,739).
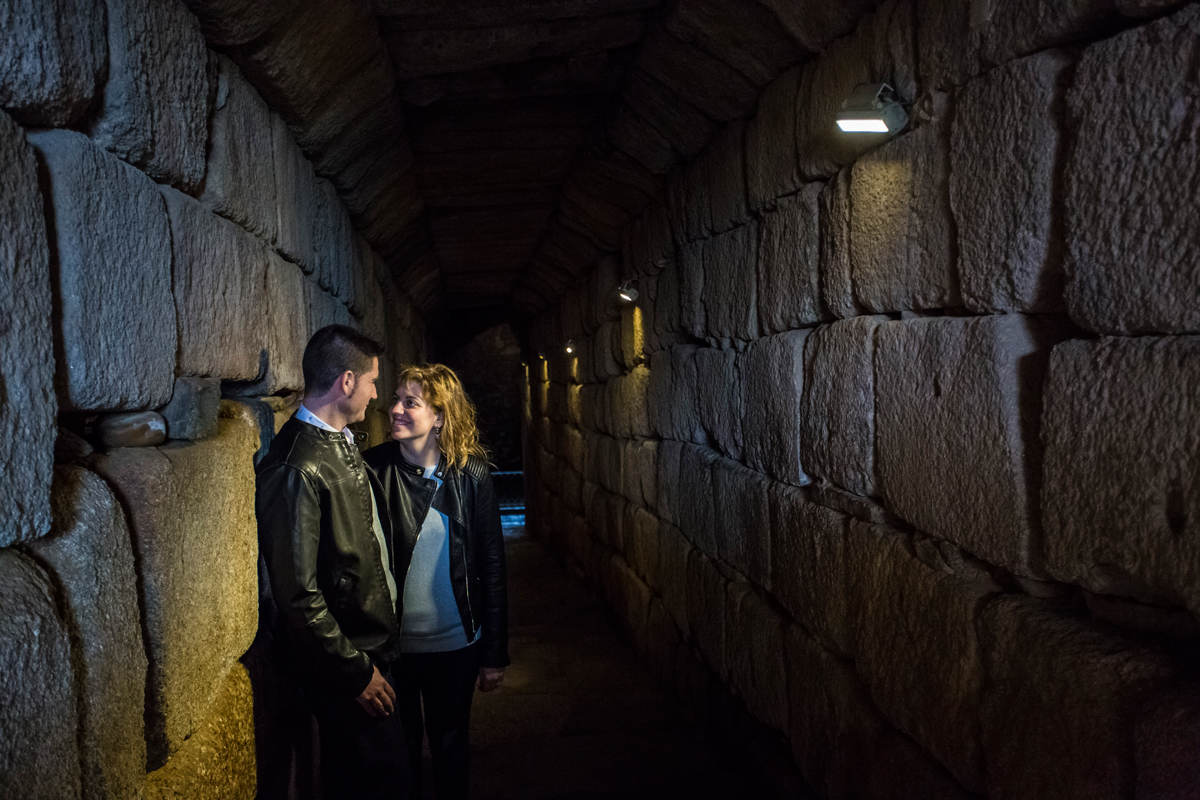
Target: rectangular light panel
(863,125)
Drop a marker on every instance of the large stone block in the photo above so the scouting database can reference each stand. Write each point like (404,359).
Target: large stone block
(642,547)
(695,504)
(788,263)
(901,232)
(1060,703)
(719,398)
(670,497)
(191,507)
(1130,180)
(1167,740)
(755,651)
(287,331)
(113,244)
(916,648)
(773,382)
(1121,513)
(240,181)
(837,410)
(220,278)
(956,408)
(835,728)
(51,59)
(705,601)
(1003,158)
(728,294)
(808,566)
(742,519)
(218,760)
(154,109)
(837,285)
(28,406)
(39,754)
(690,274)
(880,50)
(294,196)
(91,560)
(685,411)
(673,572)
(771,143)
(722,169)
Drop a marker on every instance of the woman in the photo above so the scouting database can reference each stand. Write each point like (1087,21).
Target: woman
(450,556)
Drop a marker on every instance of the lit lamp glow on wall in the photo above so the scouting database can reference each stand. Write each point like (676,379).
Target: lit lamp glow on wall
(627,292)
(872,108)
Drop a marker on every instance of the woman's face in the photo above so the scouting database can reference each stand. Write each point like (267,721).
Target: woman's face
(412,417)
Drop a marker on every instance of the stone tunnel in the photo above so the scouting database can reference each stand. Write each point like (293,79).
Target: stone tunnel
(889,472)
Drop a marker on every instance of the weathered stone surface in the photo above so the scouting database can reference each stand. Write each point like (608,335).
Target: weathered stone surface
(218,760)
(132,429)
(743,520)
(191,508)
(659,127)
(755,648)
(773,381)
(723,167)
(1002,163)
(771,143)
(643,549)
(233,22)
(633,336)
(817,25)
(240,180)
(1059,708)
(808,566)
(669,497)
(690,277)
(154,109)
(694,504)
(192,412)
(746,36)
(788,263)
(220,285)
(901,770)
(39,754)
(729,287)
(684,397)
(322,308)
(719,398)
(673,572)
(901,232)
(1167,738)
(1132,249)
(71,448)
(837,410)
(956,405)
(915,646)
(294,197)
(1120,512)
(90,558)
(114,278)
(880,50)
(835,729)
(28,407)
(51,59)
(709,84)
(837,286)
(706,588)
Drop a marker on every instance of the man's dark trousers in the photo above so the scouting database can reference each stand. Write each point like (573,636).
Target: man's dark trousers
(362,757)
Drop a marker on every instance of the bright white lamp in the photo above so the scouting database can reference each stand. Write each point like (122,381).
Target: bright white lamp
(872,108)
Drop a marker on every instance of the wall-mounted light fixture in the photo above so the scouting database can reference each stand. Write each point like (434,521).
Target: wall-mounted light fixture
(872,108)
(627,292)
(570,346)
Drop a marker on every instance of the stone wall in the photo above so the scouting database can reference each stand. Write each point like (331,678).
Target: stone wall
(894,461)
(164,244)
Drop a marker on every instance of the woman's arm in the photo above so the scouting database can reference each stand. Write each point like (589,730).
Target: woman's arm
(489,541)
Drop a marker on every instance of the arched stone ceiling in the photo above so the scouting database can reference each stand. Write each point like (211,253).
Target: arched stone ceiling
(493,150)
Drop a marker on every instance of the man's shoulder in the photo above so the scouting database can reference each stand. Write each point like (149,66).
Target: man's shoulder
(292,449)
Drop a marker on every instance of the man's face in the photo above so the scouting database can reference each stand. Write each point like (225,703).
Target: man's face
(362,394)
(412,417)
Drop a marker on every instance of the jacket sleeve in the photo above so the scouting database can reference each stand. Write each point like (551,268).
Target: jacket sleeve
(289,526)
(493,582)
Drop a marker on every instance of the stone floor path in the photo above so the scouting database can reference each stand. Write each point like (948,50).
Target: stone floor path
(578,718)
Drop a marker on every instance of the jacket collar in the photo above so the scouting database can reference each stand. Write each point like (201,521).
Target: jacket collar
(413,469)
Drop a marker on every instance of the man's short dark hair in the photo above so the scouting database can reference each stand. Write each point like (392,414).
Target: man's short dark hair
(332,351)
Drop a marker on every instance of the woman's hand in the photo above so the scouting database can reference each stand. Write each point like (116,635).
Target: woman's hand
(490,678)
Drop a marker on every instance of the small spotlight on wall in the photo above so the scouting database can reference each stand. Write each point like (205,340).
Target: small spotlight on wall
(627,292)
(570,346)
(872,108)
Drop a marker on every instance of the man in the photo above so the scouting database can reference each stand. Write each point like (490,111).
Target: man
(329,557)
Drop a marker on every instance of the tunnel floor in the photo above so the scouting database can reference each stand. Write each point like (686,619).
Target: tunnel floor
(578,717)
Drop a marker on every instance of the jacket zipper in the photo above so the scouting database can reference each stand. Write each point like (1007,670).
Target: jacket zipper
(467,586)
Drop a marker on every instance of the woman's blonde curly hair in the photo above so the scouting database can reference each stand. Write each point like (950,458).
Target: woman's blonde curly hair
(442,390)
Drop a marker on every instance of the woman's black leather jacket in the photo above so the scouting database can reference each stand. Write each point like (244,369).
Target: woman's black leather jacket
(468,499)
(313,502)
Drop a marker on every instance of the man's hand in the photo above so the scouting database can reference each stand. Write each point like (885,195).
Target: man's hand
(379,698)
(490,678)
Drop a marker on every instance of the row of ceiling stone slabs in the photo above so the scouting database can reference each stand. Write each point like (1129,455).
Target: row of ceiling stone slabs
(697,66)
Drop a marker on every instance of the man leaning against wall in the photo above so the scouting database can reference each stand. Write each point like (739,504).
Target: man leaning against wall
(329,556)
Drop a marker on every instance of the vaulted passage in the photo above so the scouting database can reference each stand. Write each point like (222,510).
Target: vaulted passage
(881,450)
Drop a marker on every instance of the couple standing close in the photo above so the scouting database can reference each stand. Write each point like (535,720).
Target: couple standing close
(387,570)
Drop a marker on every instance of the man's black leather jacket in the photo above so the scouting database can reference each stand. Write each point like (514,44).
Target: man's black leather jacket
(315,532)
(468,499)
